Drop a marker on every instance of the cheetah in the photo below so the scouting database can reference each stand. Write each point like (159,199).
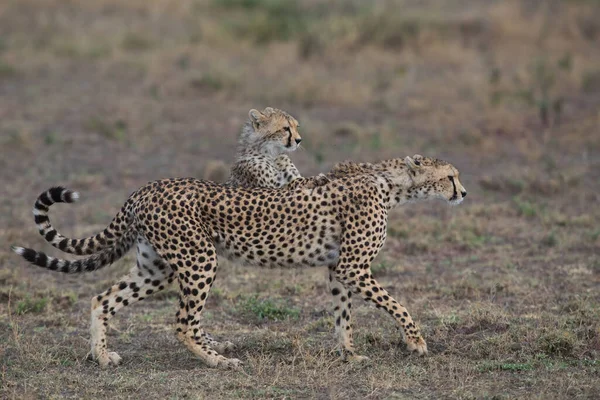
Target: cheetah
(261,160)
(181,225)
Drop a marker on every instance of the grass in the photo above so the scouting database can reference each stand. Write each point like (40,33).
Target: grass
(266,309)
(136,42)
(116,130)
(29,305)
(504,366)
(504,286)
(7,71)
(526,208)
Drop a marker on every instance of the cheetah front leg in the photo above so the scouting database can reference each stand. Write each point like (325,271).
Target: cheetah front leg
(361,282)
(354,272)
(342,311)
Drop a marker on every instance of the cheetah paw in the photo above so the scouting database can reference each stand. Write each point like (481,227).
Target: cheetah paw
(231,363)
(418,345)
(110,358)
(223,347)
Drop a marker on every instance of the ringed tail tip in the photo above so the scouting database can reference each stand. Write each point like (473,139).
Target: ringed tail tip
(18,249)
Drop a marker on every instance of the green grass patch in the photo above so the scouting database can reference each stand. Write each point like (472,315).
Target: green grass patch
(136,42)
(266,309)
(526,208)
(116,130)
(29,305)
(7,70)
(550,240)
(381,268)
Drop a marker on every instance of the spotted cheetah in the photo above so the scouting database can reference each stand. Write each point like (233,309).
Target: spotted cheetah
(261,160)
(181,225)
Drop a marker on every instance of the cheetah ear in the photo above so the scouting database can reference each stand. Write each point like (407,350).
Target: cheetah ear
(255,116)
(268,111)
(413,165)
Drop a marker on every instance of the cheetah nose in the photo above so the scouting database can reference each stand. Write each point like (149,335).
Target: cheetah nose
(464,194)
(298,140)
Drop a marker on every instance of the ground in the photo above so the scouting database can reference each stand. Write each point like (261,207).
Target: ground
(104,96)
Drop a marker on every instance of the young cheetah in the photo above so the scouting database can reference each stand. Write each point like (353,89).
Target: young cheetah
(261,159)
(181,225)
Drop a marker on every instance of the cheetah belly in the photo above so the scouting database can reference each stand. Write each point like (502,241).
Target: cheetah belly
(278,254)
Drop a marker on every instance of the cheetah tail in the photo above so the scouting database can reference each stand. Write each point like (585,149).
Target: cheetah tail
(90,245)
(91,263)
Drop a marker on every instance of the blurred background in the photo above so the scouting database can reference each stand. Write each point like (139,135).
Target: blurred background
(102,96)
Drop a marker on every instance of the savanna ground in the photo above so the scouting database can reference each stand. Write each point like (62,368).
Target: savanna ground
(103,96)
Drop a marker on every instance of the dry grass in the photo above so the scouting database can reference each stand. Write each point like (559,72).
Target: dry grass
(106,95)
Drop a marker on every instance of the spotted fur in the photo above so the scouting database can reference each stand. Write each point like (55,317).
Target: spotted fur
(183,224)
(261,159)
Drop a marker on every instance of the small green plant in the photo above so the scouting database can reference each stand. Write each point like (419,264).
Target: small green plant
(7,70)
(113,130)
(51,138)
(267,309)
(375,141)
(526,208)
(381,268)
(135,42)
(550,240)
(29,305)
(208,81)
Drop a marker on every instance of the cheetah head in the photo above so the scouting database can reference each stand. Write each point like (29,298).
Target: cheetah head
(435,178)
(275,130)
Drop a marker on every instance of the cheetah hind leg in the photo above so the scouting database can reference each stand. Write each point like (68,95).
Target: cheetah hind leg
(220,347)
(149,275)
(104,306)
(181,333)
(194,289)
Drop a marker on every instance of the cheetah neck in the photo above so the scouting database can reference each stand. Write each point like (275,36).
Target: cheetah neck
(396,183)
(250,147)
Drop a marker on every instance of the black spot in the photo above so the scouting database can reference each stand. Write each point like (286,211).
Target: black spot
(41,218)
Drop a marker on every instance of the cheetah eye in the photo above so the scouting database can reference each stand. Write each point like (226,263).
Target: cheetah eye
(451,178)
(287,129)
